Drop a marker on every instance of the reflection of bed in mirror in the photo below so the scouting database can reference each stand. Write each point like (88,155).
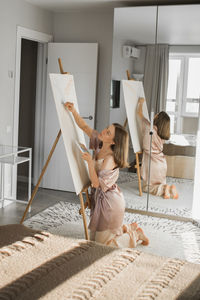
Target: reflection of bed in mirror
(180,155)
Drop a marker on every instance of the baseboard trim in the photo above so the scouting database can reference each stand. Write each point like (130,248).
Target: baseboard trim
(159,215)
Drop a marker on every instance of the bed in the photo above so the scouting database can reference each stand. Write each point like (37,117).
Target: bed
(180,155)
(39,265)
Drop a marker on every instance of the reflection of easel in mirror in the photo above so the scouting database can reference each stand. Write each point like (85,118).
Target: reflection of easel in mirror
(84,190)
(137,166)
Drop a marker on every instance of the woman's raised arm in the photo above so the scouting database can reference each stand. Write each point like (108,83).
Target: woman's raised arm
(79,121)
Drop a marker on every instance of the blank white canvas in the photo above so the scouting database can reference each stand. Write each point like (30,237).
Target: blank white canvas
(64,90)
(133,90)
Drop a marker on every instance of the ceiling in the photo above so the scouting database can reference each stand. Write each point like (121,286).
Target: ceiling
(65,5)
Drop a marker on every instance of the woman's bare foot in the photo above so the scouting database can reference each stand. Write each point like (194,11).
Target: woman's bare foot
(173,191)
(129,227)
(166,192)
(134,226)
(142,237)
(124,228)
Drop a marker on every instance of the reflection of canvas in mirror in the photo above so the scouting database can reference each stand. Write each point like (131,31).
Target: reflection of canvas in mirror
(133,90)
(64,90)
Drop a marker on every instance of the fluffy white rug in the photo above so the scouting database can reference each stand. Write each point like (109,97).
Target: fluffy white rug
(167,238)
(128,182)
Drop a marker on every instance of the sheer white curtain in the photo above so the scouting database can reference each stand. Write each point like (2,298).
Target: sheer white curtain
(156,76)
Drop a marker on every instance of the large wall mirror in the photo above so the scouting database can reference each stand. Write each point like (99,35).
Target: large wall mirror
(171,83)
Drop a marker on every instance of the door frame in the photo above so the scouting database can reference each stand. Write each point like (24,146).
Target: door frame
(43,39)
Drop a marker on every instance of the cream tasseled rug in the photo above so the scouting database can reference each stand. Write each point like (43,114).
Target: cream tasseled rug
(39,265)
(168,238)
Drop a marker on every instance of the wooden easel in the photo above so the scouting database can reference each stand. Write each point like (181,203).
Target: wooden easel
(137,166)
(84,190)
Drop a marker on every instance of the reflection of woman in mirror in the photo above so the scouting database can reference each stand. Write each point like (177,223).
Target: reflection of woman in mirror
(107,202)
(157,184)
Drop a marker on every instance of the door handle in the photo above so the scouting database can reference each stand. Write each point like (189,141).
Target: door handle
(89,118)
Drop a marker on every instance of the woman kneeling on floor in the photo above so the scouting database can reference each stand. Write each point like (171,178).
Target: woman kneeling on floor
(107,201)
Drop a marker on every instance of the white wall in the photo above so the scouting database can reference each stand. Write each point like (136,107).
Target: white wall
(139,64)
(119,63)
(119,66)
(13,13)
(74,26)
(89,27)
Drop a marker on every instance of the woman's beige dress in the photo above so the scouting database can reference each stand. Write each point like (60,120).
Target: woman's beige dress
(108,207)
(158,169)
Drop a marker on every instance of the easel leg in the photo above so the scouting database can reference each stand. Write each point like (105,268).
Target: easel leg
(138,174)
(128,75)
(88,199)
(41,175)
(84,216)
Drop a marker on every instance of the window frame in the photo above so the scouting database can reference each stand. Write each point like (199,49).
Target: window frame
(181,92)
(186,66)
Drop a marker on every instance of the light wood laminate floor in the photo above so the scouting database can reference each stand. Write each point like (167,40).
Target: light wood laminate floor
(12,213)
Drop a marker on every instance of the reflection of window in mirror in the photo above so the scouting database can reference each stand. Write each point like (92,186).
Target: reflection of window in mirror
(183,89)
(115,94)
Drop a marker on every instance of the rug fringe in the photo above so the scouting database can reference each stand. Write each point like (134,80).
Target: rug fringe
(23,244)
(18,287)
(160,280)
(107,273)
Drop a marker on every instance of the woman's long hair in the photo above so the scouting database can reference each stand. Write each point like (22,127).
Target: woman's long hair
(121,146)
(162,122)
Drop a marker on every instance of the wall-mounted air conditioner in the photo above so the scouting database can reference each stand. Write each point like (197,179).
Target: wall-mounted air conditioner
(135,52)
(129,51)
(126,51)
